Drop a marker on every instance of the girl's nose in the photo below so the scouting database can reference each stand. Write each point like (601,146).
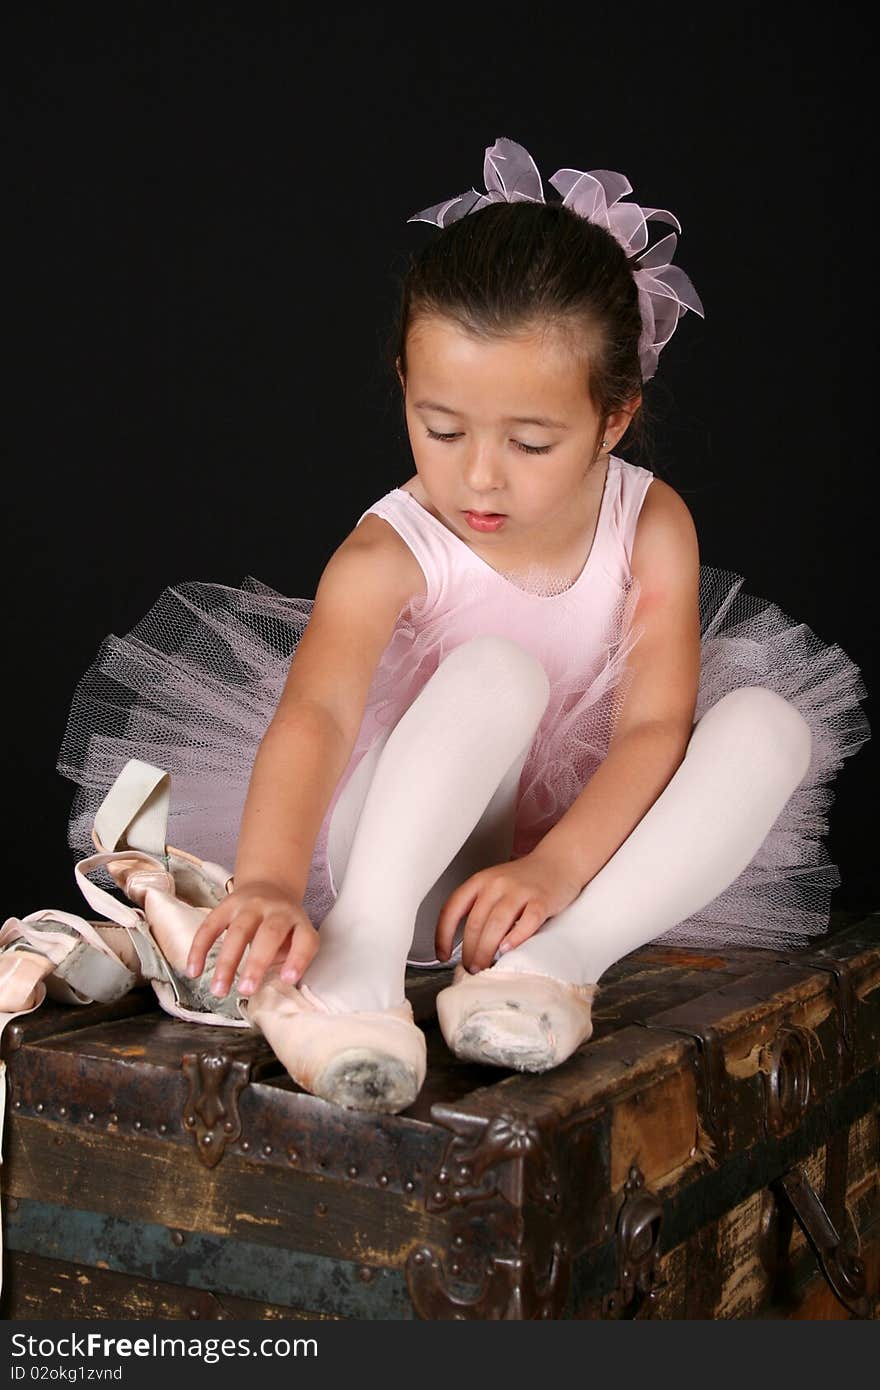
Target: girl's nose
(482,469)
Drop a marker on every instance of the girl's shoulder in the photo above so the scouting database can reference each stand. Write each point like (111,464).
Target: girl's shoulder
(374,542)
(388,549)
(665,535)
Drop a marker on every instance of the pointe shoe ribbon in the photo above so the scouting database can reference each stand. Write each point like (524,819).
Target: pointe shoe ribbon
(512,1019)
(363,1060)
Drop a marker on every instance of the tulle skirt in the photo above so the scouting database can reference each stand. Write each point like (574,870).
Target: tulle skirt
(193,686)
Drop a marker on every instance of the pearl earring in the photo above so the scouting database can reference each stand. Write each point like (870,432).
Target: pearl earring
(604,443)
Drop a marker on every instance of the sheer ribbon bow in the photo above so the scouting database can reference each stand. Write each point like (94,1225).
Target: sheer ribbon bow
(665,292)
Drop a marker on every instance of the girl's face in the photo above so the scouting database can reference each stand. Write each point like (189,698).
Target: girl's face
(503,433)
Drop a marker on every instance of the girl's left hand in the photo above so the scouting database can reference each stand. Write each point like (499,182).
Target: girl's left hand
(505,903)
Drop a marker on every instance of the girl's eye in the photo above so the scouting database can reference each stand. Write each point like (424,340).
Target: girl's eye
(526,448)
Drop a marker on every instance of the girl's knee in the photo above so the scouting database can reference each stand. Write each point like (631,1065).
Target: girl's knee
(770,725)
(499,664)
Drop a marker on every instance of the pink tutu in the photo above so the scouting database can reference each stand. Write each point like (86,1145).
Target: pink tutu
(193,686)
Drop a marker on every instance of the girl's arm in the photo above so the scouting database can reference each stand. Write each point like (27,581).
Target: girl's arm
(656,720)
(509,902)
(307,745)
(304,752)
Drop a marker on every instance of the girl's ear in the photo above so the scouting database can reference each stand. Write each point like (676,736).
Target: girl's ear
(619,422)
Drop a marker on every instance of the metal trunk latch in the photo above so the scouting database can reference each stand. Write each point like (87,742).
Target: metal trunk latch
(211,1111)
(638,1237)
(844,1271)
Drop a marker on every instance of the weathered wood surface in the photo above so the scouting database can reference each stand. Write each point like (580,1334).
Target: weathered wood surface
(711,1072)
(40,1289)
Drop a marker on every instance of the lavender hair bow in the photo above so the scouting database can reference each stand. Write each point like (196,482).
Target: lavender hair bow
(665,292)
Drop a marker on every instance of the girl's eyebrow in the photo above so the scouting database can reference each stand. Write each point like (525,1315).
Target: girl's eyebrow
(511,419)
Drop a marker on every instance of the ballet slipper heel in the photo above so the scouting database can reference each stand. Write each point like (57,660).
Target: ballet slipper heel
(374,1061)
(513,1019)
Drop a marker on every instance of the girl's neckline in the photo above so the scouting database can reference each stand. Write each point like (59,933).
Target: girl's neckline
(528,593)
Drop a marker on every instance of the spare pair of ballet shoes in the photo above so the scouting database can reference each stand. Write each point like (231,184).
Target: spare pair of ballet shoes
(370,1061)
(367,1060)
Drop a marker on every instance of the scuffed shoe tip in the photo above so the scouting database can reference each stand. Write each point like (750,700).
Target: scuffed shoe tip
(512,1019)
(508,1037)
(363,1079)
(364,1060)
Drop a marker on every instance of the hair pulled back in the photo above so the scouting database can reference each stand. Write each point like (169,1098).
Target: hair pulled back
(515,267)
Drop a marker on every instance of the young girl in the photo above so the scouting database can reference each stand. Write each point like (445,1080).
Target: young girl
(523,728)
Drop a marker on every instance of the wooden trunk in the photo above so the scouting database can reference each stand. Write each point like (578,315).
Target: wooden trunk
(712,1152)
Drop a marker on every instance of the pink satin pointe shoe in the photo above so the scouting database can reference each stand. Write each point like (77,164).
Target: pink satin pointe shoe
(512,1019)
(365,1061)
(62,955)
(144,941)
(174,889)
(374,1061)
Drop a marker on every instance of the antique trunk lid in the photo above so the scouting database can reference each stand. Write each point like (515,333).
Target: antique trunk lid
(181,1172)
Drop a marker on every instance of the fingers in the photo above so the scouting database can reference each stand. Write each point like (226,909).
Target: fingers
(215,923)
(457,904)
(509,920)
(486,928)
(268,946)
(262,926)
(303,949)
(241,929)
(270,935)
(532,918)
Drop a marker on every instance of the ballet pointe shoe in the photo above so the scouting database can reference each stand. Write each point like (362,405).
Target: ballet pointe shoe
(146,940)
(63,956)
(374,1061)
(173,892)
(513,1019)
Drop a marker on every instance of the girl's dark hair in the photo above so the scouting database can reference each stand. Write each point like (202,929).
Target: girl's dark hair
(513,267)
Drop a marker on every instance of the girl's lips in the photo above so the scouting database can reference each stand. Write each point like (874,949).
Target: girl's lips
(485,521)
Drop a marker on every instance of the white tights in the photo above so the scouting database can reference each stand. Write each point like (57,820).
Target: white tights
(434,800)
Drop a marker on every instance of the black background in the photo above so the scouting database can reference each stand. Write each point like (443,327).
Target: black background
(209,211)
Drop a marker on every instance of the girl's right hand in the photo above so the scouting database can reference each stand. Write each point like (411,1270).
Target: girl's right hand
(264,917)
